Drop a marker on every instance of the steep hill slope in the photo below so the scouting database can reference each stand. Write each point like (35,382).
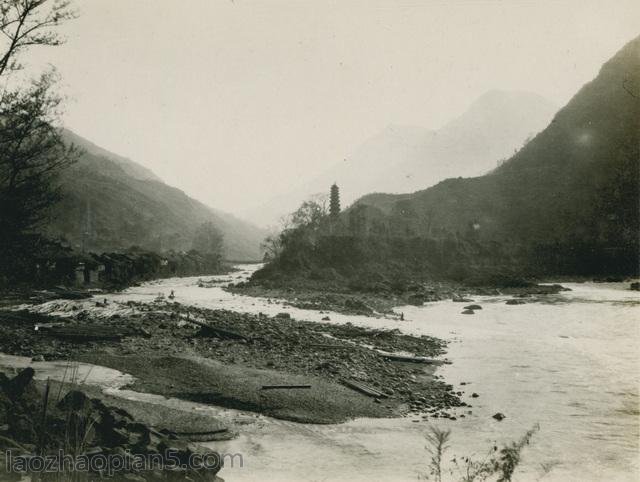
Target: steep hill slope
(570,197)
(110,202)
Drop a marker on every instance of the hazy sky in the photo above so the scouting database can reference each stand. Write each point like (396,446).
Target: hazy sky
(233,101)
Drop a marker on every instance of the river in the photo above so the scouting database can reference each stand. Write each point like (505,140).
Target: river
(569,362)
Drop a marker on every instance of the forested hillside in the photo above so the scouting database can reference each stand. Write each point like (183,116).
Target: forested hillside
(109,202)
(570,196)
(567,203)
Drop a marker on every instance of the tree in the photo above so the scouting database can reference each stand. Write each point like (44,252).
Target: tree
(334,201)
(32,152)
(309,215)
(271,246)
(25,23)
(208,240)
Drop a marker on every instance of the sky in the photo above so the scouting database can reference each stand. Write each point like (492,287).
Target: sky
(235,101)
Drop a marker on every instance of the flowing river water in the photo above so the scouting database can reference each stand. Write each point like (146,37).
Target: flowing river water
(568,362)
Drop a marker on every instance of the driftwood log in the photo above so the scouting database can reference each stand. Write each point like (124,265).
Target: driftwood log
(362,388)
(208,330)
(407,358)
(88,332)
(284,387)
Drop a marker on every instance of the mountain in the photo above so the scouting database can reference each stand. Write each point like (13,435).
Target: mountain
(110,202)
(492,129)
(130,167)
(569,198)
(407,158)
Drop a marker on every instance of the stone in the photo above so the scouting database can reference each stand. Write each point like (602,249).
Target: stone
(474,395)
(473,307)
(75,401)
(17,386)
(416,300)
(468,312)
(515,302)
(499,416)
(461,299)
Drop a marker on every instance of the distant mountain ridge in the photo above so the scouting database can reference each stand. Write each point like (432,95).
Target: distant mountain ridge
(130,167)
(570,197)
(110,202)
(403,159)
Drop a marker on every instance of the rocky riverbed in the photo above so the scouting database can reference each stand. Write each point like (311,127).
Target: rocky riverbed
(226,358)
(307,295)
(61,430)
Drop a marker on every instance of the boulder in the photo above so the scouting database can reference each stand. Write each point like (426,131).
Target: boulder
(635,286)
(468,312)
(461,299)
(499,416)
(75,401)
(21,390)
(473,307)
(416,300)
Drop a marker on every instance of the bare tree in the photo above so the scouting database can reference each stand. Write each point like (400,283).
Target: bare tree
(26,23)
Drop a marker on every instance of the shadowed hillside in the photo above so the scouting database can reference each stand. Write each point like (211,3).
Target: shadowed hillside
(572,191)
(110,202)
(567,203)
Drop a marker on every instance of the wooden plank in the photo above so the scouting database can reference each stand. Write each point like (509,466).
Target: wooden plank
(362,388)
(331,346)
(285,387)
(208,330)
(87,332)
(407,358)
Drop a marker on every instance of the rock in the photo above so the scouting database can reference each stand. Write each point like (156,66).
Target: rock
(357,306)
(326,318)
(21,428)
(75,401)
(133,477)
(461,299)
(18,386)
(473,307)
(474,395)
(515,302)
(499,416)
(37,358)
(285,316)
(635,286)
(468,312)
(416,300)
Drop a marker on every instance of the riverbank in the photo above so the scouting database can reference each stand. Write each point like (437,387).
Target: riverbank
(46,419)
(227,358)
(319,296)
